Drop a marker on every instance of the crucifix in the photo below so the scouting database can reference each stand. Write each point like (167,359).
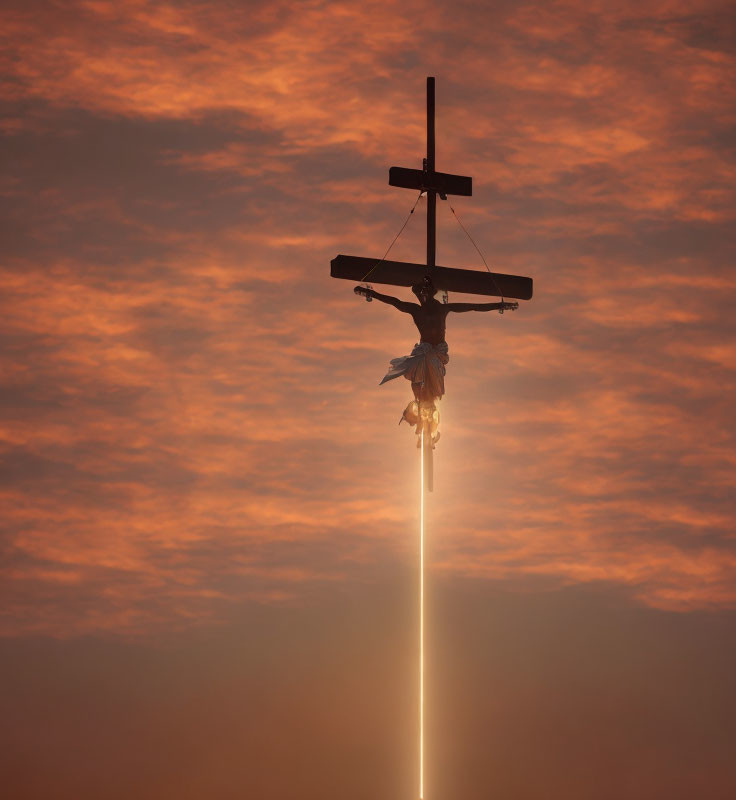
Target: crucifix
(425,367)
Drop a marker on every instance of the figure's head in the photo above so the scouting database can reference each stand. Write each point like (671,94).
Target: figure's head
(425,290)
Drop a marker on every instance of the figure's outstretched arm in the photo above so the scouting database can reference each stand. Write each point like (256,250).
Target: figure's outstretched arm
(462,307)
(385,298)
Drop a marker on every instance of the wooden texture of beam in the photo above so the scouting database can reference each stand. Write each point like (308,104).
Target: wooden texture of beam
(401,273)
(441,182)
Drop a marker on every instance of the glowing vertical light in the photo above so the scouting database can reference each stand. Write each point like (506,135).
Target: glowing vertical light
(421,622)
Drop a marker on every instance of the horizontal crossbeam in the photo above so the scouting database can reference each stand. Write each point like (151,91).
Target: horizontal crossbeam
(441,182)
(401,273)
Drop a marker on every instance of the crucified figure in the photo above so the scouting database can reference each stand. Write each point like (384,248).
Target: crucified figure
(425,367)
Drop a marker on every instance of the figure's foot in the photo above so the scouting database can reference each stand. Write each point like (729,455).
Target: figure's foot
(430,416)
(424,416)
(434,438)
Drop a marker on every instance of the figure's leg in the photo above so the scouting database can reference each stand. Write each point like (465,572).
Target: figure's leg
(434,422)
(430,416)
(411,412)
(423,393)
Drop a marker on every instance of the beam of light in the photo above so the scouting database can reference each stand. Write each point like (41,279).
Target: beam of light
(421,622)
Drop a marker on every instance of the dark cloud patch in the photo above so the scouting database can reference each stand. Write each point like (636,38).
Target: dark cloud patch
(711,29)
(107,191)
(90,470)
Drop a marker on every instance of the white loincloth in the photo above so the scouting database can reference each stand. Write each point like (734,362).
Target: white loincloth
(425,365)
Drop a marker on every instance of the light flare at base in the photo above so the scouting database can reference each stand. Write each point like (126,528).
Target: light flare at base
(421,620)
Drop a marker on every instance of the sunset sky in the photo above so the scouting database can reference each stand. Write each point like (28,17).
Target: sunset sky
(209,514)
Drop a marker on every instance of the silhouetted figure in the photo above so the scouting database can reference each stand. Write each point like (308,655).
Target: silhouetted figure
(425,367)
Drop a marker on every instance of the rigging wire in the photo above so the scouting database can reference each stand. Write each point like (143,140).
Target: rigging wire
(495,283)
(383,257)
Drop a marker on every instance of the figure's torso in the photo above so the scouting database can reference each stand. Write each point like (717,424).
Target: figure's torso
(430,320)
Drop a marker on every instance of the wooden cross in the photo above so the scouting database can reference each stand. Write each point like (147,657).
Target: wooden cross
(401,273)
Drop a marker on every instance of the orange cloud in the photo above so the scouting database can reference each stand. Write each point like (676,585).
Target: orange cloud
(191,416)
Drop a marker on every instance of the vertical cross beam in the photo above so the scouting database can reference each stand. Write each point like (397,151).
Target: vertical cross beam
(429,168)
